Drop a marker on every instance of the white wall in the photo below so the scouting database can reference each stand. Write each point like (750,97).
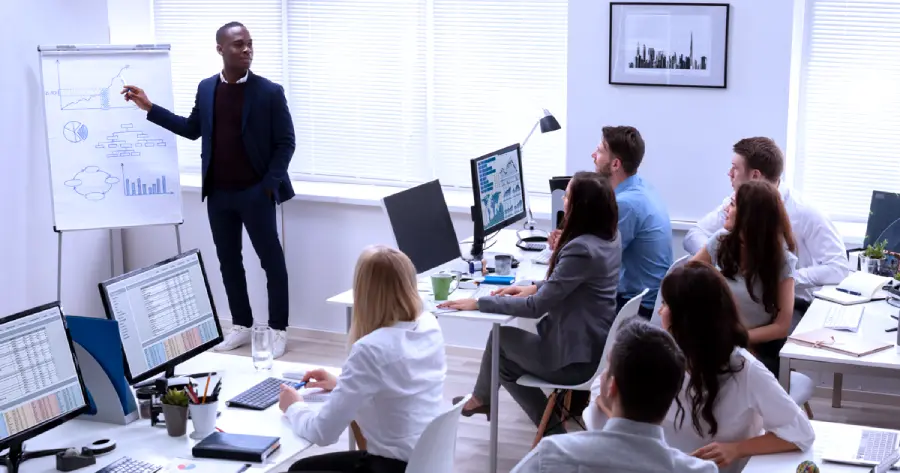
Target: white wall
(688,132)
(29,256)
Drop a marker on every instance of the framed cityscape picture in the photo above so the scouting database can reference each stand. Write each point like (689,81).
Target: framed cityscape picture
(668,44)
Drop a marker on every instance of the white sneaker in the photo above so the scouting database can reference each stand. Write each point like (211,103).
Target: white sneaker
(236,338)
(279,343)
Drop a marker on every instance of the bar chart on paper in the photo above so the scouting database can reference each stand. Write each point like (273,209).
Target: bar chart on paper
(141,187)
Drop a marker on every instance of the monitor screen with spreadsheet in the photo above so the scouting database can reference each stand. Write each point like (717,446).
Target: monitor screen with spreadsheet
(40,383)
(165,313)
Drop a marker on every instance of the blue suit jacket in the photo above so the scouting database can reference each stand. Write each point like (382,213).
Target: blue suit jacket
(268,130)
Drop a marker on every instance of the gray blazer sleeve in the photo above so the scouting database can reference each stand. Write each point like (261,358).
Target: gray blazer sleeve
(570,271)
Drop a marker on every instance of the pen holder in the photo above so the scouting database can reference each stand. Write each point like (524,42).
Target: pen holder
(203,417)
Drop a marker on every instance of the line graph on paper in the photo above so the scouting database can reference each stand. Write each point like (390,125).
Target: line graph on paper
(104,96)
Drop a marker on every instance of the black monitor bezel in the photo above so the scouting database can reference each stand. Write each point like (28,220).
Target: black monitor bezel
(104,295)
(18,438)
(477,216)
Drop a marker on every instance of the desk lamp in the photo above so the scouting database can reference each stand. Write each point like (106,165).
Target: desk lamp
(547,123)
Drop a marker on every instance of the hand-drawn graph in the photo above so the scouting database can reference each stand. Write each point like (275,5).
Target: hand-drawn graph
(137,188)
(92,183)
(103,97)
(128,142)
(75,132)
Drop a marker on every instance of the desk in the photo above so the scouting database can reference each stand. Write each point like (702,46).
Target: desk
(825,432)
(875,320)
(505,243)
(142,442)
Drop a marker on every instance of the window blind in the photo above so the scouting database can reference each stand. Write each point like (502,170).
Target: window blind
(497,64)
(358,89)
(848,140)
(190,27)
(392,90)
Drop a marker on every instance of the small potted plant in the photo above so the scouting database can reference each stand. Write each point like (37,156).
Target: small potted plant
(175,410)
(872,257)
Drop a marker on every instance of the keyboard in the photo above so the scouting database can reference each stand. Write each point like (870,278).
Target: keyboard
(533,246)
(261,396)
(876,445)
(843,317)
(129,465)
(543,257)
(483,290)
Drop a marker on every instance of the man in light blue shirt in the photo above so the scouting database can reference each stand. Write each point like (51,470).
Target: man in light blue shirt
(643,219)
(646,372)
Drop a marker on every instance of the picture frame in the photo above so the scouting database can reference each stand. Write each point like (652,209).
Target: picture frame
(669,44)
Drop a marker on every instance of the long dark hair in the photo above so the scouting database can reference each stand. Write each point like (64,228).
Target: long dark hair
(703,319)
(591,210)
(755,246)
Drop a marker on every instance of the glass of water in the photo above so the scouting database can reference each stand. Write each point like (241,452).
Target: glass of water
(262,347)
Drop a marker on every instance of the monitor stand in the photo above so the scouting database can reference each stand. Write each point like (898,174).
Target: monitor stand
(17,455)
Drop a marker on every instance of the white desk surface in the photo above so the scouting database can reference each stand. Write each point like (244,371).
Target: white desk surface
(875,319)
(505,244)
(826,432)
(152,444)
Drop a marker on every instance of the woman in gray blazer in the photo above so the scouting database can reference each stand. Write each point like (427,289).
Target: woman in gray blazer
(578,296)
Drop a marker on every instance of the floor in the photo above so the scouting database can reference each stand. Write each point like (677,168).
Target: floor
(516,431)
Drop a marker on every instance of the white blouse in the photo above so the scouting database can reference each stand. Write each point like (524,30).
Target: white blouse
(750,403)
(392,384)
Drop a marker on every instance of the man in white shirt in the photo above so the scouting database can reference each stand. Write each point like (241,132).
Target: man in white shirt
(820,249)
(646,370)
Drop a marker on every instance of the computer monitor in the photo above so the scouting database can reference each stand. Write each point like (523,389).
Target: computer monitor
(40,383)
(422,226)
(498,187)
(166,315)
(884,220)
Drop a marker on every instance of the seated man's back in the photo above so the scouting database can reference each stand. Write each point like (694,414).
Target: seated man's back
(622,446)
(645,373)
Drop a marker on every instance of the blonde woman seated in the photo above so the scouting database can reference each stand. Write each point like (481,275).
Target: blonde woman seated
(753,252)
(392,383)
(731,407)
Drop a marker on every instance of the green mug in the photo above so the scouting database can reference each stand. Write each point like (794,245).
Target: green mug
(442,285)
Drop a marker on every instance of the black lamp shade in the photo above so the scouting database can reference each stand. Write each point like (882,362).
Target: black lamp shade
(549,123)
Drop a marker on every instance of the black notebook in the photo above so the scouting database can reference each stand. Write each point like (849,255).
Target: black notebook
(245,448)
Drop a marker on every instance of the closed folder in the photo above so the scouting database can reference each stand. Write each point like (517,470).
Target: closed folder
(839,342)
(245,448)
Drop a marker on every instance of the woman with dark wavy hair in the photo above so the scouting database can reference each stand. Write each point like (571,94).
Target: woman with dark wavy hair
(753,252)
(731,407)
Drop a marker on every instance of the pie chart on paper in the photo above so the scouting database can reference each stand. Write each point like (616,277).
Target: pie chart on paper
(75,132)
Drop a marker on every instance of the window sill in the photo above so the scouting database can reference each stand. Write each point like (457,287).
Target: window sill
(459,201)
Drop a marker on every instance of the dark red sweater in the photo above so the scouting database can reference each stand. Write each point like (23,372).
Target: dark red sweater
(231,167)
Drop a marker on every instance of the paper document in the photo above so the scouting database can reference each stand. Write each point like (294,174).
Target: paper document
(857,288)
(182,465)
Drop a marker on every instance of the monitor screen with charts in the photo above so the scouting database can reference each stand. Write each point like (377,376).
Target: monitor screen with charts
(499,188)
(165,313)
(40,383)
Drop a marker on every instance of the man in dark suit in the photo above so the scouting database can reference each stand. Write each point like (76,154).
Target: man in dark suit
(248,141)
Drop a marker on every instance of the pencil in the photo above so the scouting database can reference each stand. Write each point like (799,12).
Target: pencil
(206,389)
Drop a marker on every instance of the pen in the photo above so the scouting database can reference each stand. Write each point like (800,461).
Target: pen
(244,468)
(206,389)
(848,291)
